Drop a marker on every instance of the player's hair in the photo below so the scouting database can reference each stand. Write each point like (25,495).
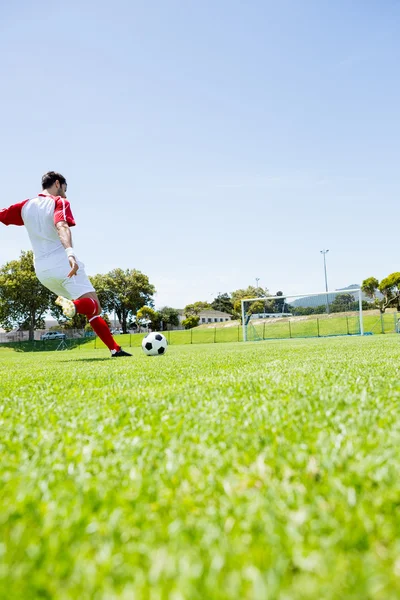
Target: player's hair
(50,178)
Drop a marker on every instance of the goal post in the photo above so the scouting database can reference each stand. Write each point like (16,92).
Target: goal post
(321,314)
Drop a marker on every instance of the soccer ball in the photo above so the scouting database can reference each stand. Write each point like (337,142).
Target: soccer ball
(154,344)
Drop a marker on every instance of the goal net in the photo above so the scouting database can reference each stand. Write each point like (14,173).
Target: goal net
(308,315)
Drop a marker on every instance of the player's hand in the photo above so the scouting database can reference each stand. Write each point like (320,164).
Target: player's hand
(74,266)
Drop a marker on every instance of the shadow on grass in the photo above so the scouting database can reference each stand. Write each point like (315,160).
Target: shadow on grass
(86,359)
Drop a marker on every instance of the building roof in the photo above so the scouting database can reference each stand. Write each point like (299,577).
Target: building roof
(208,313)
(213,313)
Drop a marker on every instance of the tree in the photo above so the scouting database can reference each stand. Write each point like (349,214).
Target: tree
(223,302)
(148,314)
(123,291)
(279,303)
(343,302)
(299,311)
(389,287)
(196,308)
(191,321)
(168,317)
(77,322)
(369,287)
(250,292)
(23,299)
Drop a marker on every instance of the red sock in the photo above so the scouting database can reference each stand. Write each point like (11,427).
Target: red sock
(100,327)
(86,306)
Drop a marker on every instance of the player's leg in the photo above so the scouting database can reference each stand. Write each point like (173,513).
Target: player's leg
(89,305)
(86,304)
(98,324)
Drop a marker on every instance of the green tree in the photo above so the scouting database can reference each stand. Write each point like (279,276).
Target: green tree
(23,299)
(196,308)
(255,307)
(370,287)
(169,317)
(342,303)
(223,302)
(389,287)
(279,303)
(77,322)
(123,291)
(191,321)
(249,292)
(298,311)
(148,314)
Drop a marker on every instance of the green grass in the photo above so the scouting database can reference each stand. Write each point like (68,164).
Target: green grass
(230,471)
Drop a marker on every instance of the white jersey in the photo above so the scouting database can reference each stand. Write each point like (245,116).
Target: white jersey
(40,216)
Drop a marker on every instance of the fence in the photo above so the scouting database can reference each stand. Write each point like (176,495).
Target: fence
(374,323)
(132,340)
(23,336)
(387,322)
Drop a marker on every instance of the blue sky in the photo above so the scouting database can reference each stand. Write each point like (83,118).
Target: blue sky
(209,143)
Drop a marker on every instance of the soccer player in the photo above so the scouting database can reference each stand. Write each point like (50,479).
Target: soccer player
(48,219)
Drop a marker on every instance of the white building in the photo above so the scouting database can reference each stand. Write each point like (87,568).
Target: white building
(208,316)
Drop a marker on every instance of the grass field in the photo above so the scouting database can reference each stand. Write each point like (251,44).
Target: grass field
(224,471)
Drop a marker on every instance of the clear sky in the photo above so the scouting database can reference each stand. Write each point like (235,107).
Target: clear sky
(207,143)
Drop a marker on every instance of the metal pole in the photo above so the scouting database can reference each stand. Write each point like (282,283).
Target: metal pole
(361,313)
(324,252)
(244,323)
(257,280)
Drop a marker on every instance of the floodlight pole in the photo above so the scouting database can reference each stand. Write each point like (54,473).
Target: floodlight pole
(257,280)
(324,252)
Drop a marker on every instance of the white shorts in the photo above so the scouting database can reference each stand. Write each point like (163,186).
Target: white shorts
(52,273)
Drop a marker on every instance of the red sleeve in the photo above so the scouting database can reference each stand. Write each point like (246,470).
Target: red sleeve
(62,212)
(13,214)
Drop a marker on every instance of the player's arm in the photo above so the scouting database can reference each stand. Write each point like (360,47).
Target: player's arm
(64,233)
(63,220)
(13,214)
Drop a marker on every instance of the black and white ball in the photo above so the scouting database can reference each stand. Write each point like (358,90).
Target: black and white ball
(154,344)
